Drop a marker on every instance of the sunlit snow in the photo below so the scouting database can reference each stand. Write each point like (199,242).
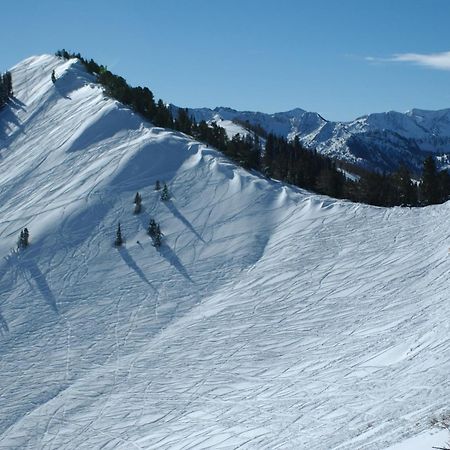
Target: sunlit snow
(270,317)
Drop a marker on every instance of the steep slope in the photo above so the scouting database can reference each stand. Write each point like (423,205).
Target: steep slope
(380,141)
(269,318)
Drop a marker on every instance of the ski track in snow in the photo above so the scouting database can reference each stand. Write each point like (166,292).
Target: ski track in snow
(270,318)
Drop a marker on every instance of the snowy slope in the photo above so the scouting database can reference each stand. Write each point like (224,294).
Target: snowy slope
(377,141)
(270,318)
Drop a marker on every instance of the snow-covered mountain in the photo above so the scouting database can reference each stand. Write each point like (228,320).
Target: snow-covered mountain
(376,141)
(269,318)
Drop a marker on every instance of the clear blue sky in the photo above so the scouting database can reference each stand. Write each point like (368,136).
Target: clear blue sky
(341,58)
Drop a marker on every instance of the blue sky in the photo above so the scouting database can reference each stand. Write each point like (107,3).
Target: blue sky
(341,58)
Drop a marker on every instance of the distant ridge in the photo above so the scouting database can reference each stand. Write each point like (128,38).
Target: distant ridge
(380,141)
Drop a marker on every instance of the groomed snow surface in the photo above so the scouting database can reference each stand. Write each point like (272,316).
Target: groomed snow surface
(270,317)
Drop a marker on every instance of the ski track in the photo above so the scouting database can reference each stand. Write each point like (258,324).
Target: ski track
(271,318)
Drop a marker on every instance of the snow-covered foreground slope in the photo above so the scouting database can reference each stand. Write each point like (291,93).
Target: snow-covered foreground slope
(270,317)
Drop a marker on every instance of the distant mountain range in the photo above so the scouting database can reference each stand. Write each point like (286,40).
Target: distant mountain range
(379,141)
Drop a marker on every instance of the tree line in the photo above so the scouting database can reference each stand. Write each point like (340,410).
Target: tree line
(278,158)
(290,162)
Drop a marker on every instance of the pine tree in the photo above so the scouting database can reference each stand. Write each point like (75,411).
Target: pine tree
(165,196)
(406,191)
(444,185)
(5,88)
(137,203)
(119,239)
(137,198)
(157,185)
(157,240)
(26,237)
(429,185)
(152,228)
(53,77)
(23,238)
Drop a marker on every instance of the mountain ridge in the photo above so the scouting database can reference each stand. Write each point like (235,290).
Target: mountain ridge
(270,316)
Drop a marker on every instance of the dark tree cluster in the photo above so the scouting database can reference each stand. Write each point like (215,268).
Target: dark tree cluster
(398,188)
(23,239)
(292,163)
(154,231)
(212,134)
(434,186)
(256,128)
(6,90)
(184,122)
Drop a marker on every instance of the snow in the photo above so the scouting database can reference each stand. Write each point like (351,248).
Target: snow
(270,317)
(426,440)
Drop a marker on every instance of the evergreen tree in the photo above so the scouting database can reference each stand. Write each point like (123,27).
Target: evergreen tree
(163,117)
(444,186)
(157,237)
(8,83)
(152,228)
(26,237)
(119,239)
(330,182)
(5,88)
(53,77)
(269,155)
(406,192)
(184,123)
(165,196)
(429,185)
(157,185)
(154,232)
(23,238)
(137,203)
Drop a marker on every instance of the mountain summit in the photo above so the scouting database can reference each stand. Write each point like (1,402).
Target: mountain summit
(269,317)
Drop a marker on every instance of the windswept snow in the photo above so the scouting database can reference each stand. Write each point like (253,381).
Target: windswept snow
(270,317)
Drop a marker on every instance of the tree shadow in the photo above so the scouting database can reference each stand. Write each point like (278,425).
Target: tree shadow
(62,92)
(114,121)
(130,262)
(172,208)
(173,260)
(28,265)
(17,104)
(8,262)
(8,117)
(3,325)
